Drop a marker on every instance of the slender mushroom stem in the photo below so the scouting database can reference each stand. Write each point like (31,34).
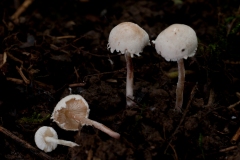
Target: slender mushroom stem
(105,129)
(61,142)
(129,79)
(180,85)
(97,125)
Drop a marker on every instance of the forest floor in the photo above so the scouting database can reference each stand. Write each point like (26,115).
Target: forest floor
(56,48)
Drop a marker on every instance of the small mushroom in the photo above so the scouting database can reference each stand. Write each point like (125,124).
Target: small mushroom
(175,43)
(129,39)
(46,139)
(73,110)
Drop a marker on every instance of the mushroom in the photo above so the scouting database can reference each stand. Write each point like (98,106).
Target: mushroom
(73,110)
(175,43)
(129,39)
(46,139)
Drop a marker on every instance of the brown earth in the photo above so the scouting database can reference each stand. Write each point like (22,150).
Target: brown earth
(33,43)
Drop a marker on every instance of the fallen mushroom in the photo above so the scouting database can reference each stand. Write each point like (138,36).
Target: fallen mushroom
(46,139)
(175,43)
(73,110)
(129,39)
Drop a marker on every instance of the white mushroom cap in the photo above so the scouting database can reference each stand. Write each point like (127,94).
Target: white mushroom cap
(128,37)
(40,138)
(46,139)
(68,106)
(176,42)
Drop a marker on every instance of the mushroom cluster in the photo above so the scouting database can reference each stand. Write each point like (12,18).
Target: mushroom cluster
(175,43)
(70,113)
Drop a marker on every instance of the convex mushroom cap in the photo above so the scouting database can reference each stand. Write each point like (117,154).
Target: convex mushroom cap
(128,37)
(176,42)
(46,139)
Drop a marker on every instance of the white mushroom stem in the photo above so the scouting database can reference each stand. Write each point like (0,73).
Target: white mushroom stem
(129,79)
(86,121)
(180,85)
(61,142)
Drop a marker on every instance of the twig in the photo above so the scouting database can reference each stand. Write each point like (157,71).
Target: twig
(65,37)
(231,62)
(21,9)
(235,137)
(54,47)
(233,105)
(90,154)
(228,149)
(25,144)
(211,98)
(43,85)
(4,59)
(183,117)
(22,75)
(238,95)
(14,58)
(175,153)
(15,80)
(77,84)
(75,70)
(121,70)
(107,56)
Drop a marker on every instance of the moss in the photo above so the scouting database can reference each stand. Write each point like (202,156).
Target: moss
(224,47)
(226,40)
(36,118)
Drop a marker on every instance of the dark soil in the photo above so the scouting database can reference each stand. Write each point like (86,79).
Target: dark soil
(150,130)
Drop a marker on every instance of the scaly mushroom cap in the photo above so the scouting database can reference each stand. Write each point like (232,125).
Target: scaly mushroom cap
(40,135)
(66,108)
(128,37)
(176,42)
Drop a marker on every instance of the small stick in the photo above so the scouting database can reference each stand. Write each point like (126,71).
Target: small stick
(22,75)
(238,95)
(21,9)
(14,58)
(97,74)
(43,85)
(25,144)
(77,84)
(175,153)
(4,59)
(211,98)
(228,149)
(15,80)
(65,37)
(231,62)
(235,137)
(90,154)
(75,70)
(233,105)
(54,47)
